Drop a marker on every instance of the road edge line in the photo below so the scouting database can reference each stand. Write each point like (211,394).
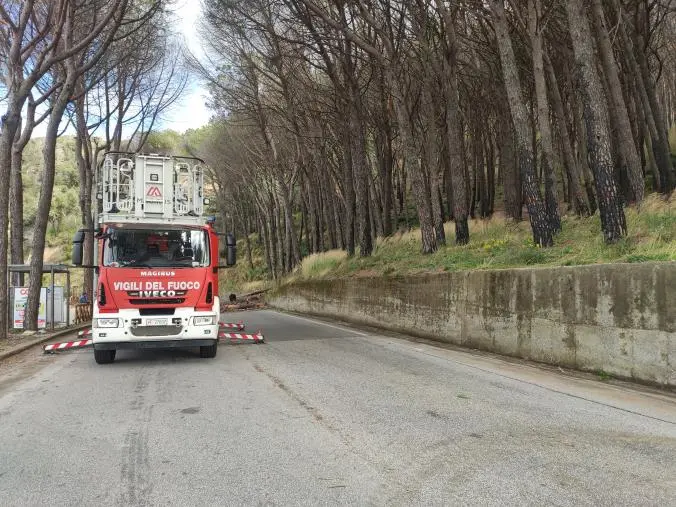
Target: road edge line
(370,330)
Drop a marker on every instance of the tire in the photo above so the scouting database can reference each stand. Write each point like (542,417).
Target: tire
(209,351)
(104,356)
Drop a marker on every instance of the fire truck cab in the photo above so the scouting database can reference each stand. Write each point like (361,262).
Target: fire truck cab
(157,257)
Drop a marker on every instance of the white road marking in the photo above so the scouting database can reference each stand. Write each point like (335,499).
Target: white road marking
(314,321)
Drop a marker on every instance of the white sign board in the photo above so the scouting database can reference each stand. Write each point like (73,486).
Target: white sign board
(20,298)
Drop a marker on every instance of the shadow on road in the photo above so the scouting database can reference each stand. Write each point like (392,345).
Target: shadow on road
(157,356)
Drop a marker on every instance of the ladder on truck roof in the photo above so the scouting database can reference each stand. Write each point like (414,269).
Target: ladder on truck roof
(144,188)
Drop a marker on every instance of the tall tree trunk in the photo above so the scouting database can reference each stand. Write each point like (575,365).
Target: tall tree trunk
(480,171)
(542,228)
(265,242)
(273,231)
(579,198)
(511,181)
(414,167)
(490,170)
(247,240)
(305,219)
(613,222)
(583,152)
(320,211)
(16,211)
(375,199)
(331,218)
(10,127)
(431,110)
(85,161)
(430,163)
(360,172)
(421,191)
(383,140)
(421,195)
(292,248)
(280,236)
(311,211)
(661,142)
(618,109)
(551,194)
(23,136)
(45,200)
(643,83)
(348,194)
(472,189)
(455,140)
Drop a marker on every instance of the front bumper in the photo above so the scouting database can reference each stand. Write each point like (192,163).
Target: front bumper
(154,344)
(176,329)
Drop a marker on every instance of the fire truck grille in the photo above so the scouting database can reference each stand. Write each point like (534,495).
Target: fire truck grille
(166,301)
(156,330)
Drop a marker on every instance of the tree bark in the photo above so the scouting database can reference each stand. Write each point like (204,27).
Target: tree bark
(579,198)
(643,83)
(551,194)
(348,194)
(265,242)
(421,195)
(45,199)
(455,140)
(539,220)
(613,222)
(360,172)
(661,140)
(631,164)
(16,211)
(414,166)
(383,139)
(511,181)
(480,172)
(85,163)
(10,126)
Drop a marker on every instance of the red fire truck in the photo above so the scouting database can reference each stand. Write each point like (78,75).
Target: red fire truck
(156,274)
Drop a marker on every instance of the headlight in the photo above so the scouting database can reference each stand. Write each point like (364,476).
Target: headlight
(107,322)
(204,321)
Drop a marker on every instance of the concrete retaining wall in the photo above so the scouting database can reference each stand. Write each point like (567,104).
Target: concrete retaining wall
(619,318)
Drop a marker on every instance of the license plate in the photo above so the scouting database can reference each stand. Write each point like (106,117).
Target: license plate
(156,322)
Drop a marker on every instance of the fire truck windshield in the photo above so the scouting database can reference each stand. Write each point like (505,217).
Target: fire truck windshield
(125,247)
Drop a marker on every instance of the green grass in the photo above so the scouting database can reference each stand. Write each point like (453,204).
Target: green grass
(497,243)
(494,244)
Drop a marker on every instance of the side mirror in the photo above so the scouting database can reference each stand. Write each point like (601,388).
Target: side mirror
(231,250)
(78,247)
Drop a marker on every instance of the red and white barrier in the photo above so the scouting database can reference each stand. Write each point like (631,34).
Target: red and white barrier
(232,325)
(67,345)
(222,335)
(233,337)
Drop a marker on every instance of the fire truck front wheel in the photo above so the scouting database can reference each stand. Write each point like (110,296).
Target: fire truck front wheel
(104,356)
(208,351)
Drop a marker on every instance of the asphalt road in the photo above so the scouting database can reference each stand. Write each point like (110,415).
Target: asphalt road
(324,414)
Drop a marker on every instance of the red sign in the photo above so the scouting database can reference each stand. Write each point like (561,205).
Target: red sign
(154,192)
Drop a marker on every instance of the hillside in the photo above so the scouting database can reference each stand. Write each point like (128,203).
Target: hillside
(64,216)
(495,243)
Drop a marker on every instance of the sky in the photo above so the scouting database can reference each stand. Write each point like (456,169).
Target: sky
(189,111)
